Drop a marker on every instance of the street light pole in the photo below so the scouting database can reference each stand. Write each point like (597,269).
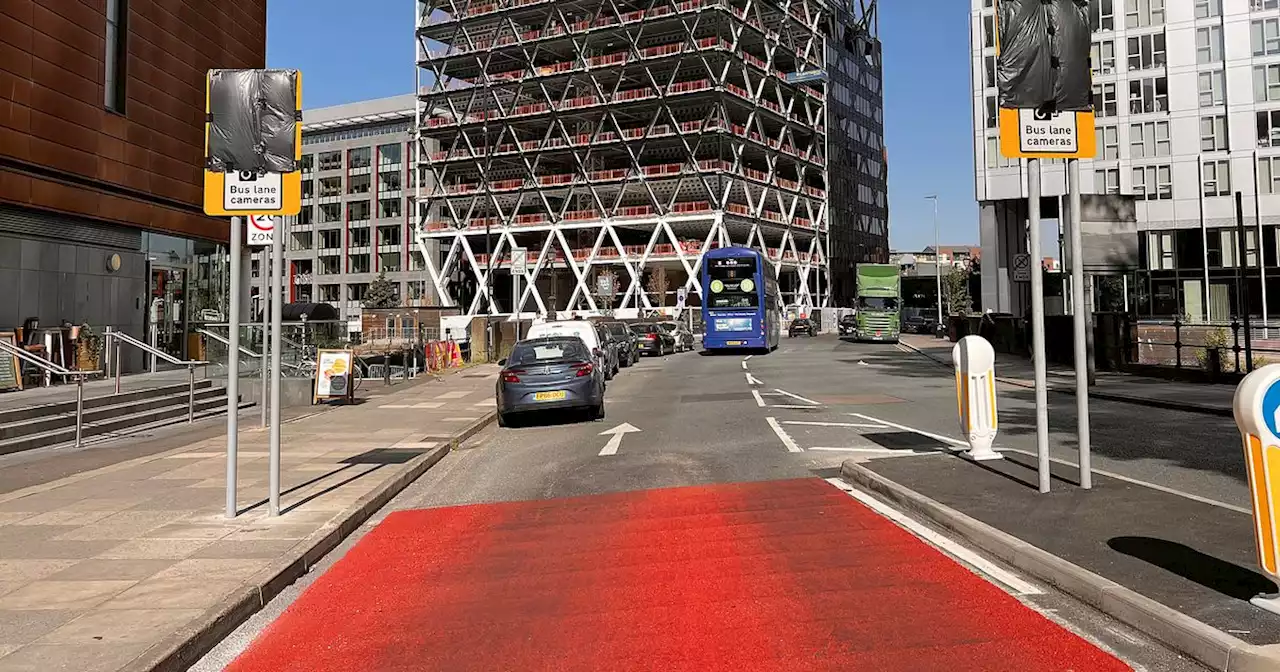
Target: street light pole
(937,257)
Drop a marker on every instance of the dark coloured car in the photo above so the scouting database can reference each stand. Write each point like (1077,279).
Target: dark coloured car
(542,374)
(917,324)
(802,325)
(848,325)
(654,340)
(683,337)
(612,348)
(628,341)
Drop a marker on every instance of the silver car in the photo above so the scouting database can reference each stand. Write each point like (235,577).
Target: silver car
(555,372)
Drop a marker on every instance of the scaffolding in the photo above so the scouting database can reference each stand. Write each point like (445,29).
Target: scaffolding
(618,138)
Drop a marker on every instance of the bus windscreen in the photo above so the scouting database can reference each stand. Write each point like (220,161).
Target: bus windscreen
(731,283)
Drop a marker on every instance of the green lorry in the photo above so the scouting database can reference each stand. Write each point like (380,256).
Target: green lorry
(879,302)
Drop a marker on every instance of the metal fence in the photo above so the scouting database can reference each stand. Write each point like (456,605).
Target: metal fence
(1216,347)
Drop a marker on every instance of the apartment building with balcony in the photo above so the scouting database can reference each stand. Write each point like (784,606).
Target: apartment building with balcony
(1187,100)
(357,208)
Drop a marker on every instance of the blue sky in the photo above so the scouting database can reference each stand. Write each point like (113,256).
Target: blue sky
(351,53)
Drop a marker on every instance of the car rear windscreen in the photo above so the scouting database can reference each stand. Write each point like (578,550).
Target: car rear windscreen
(548,351)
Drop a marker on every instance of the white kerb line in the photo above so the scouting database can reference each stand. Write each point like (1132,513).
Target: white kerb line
(759,399)
(937,437)
(996,573)
(796,396)
(790,443)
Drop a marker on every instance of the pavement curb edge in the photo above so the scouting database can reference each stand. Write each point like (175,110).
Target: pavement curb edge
(1199,641)
(184,648)
(1093,393)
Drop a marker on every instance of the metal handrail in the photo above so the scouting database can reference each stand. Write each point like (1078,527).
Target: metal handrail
(120,336)
(58,370)
(227,342)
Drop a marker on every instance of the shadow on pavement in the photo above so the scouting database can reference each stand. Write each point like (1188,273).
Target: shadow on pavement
(1227,578)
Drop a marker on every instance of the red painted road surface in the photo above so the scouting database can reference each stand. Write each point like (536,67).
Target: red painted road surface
(759,577)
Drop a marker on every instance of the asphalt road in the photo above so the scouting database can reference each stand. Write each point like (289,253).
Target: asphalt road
(796,413)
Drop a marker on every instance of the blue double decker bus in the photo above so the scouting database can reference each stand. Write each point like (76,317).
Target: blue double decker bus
(740,300)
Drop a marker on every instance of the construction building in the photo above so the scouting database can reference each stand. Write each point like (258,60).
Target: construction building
(615,141)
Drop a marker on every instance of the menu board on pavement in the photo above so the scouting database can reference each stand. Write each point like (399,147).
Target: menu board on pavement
(10,365)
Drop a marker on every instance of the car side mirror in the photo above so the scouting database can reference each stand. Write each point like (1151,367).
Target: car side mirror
(502,362)
(598,352)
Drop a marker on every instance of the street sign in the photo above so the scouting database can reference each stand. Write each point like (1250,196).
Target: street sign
(681,295)
(519,261)
(1021,267)
(240,193)
(1029,134)
(261,230)
(604,284)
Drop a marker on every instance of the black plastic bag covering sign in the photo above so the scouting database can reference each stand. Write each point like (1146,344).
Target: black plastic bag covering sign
(253,120)
(1044,55)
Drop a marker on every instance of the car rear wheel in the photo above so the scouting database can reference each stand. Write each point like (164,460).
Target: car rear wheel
(597,411)
(503,421)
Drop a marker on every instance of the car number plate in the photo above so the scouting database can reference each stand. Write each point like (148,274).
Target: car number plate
(550,396)
(735,342)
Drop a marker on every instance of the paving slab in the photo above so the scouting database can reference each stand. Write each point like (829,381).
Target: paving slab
(1192,556)
(134,566)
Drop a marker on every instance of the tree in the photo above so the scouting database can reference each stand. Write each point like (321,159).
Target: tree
(658,284)
(381,293)
(955,291)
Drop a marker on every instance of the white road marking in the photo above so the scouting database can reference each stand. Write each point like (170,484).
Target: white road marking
(752,380)
(396,406)
(615,437)
(1108,474)
(461,418)
(456,394)
(792,446)
(759,399)
(744,364)
(797,397)
(430,404)
(815,423)
(747,358)
(797,406)
(1017,584)
(858,449)
(416,444)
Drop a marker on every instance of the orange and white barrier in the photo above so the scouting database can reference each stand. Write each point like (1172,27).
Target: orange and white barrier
(975,363)
(1257,412)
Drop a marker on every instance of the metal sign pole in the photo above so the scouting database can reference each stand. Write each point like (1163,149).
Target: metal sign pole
(1037,322)
(264,266)
(233,367)
(1080,323)
(277,315)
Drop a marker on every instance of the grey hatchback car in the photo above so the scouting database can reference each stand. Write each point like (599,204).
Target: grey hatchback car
(556,372)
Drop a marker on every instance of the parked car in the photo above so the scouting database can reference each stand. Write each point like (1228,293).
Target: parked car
(801,325)
(848,325)
(917,324)
(554,372)
(654,340)
(683,337)
(580,328)
(612,350)
(628,353)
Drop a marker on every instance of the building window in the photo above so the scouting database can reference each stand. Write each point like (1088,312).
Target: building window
(358,237)
(330,161)
(358,184)
(116,56)
(1106,181)
(1208,44)
(358,158)
(992,114)
(1102,57)
(1217,178)
(308,163)
(1153,182)
(994,158)
(330,212)
(1264,35)
(1147,51)
(1104,100)
(1148,140)
(990,64)
(989,31)
(389,181)
(389,207)
(1160,250)
(330,239)
(1143,13)
(1150,94)
(1269,128)
(306,216)
(1266,83)
(357,211)
(330,187)
(1208,8)
(1269,174)
(389,154)
(1213,133)
(1259,5)
(1102,15)
(1108,142)
(1211,86)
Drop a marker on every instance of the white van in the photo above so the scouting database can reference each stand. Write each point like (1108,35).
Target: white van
(580,328)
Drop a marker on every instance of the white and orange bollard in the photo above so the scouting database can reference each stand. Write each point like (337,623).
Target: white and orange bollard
(975,362)
(1257,412)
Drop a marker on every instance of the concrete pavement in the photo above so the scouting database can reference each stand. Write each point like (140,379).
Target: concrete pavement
(706,420)
(132,566)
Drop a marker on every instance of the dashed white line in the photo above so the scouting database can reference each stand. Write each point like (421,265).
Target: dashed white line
(792,446)
(796,396)
(759,399)
(815,423)
(992,571)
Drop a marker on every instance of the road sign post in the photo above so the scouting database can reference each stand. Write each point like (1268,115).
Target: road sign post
(1045,89)
(519,267)
(1021,268)
(253,148)
(1257,414)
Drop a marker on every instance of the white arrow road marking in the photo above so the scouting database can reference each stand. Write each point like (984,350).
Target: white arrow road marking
(790,443)
(611,448)
(976,562)
(796,396)
(752,380)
